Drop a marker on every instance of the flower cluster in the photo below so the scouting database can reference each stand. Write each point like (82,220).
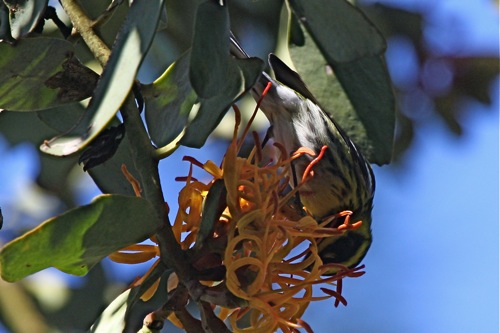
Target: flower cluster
(271,255)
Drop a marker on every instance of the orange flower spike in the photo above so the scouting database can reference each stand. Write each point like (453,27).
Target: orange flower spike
(136,186)
(213,169)
(347,225)
(308,170)
(177,226)
(195,205)
(148,294)
(208,166)
(252,117)
(264,93)
(131,258)
(135,253)
(304,325)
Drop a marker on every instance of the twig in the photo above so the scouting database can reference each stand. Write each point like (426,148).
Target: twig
(84,25)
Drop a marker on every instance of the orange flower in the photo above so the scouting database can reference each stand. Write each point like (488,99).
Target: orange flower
(271,254)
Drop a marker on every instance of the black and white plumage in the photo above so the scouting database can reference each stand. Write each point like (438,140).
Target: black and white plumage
(342,180)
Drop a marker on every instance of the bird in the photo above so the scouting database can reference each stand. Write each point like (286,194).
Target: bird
(342,180)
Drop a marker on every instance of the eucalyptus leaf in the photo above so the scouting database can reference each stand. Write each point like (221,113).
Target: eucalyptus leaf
(339,28)
(213,207)
(24,15)
(112,319)
(358,94)
(45,68)
(169,101)
(64,118)
(132,44)
(210,52)
(242,75)
(78,239)
(5,35)
(368,86)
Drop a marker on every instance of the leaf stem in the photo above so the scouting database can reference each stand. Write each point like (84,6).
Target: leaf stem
(84,25)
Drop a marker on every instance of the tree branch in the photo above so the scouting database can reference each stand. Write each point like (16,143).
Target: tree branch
(142,150)
(84,25)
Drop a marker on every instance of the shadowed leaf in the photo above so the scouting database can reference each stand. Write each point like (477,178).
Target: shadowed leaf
(242,75)
(209,63)
(358,94)
(45,68)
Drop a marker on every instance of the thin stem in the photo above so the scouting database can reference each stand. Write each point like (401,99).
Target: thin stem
(147,166)
(84,25)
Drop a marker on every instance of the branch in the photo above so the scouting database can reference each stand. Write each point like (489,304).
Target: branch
(142,150)
(84,25)
(146,162)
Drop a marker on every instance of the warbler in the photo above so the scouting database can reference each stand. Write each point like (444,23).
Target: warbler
(342,179)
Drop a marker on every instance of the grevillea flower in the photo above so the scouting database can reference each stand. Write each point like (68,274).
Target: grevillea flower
(271,254)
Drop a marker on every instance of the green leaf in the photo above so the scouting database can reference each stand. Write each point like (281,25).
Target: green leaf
(358,94)
(78,239)
(5,35)
(37,67)
(242,74)
(368,86)
(340,29)
(169,101)
(213,207)
(112,319)
(131,46)
(122,314)
(24,15)
(63,118)
(210,53)
(108,175)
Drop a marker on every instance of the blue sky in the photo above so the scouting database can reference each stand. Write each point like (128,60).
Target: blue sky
(433,265)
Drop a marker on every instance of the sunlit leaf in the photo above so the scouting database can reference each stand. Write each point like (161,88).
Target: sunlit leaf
(131,46)
(112,319)
(78,239)
(169,101)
